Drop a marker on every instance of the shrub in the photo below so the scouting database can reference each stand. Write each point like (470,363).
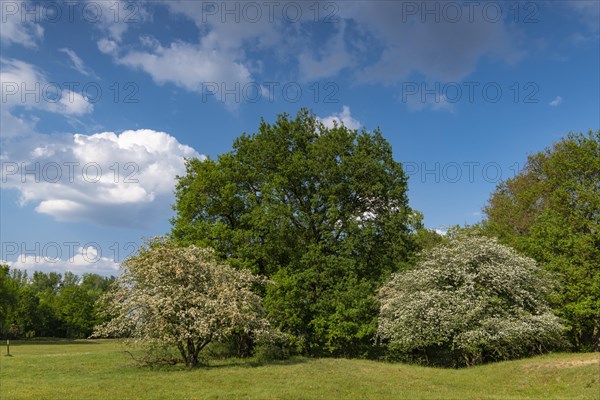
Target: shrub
(469,301)
(181,297)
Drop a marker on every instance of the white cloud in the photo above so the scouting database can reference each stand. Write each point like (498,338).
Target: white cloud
(345,118)
(556,102)
(115,17)
(70,103)
(24,85)
(17,27)
(446,50)
(390,49)
(85,260)
(442,232)
(192,67)
(107,46)
(231,29)
(106,178)
(16,74)
(77,63)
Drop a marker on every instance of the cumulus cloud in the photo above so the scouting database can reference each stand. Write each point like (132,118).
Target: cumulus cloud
(26,86)
(343,118)
(84,260)
(556,102)
(16,27)
(111,179)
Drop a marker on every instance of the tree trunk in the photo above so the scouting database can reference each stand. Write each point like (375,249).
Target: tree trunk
(200,344)
(244,344)
(190,350)
(183,353)
(192,355)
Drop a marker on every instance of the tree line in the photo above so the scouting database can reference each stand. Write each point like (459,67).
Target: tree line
(49,304)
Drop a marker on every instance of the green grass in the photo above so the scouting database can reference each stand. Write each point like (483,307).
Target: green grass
(100,369)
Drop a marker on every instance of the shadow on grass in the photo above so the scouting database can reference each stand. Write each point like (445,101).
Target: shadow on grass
(254,363)
(221,364)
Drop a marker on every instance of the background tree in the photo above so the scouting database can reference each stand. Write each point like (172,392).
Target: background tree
(75,311)
(323,212)
(8,297)
(170,295)
(551,212)
(470,300)
(49,304)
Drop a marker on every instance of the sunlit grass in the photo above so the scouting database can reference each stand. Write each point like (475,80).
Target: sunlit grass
(100,369)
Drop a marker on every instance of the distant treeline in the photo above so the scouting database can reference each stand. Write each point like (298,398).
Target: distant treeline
(49,304)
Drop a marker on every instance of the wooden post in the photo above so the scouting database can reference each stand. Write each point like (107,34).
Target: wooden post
(8,347)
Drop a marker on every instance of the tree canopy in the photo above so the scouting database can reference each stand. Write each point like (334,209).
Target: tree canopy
(551,212)
(321,211)
(468,301)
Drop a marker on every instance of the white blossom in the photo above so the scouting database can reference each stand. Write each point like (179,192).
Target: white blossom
(473,297)
(181,296)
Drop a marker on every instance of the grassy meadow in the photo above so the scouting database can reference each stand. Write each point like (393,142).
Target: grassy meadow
(100,369)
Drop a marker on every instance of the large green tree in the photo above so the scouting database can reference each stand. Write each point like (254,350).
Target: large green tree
(551,212)
(321,211)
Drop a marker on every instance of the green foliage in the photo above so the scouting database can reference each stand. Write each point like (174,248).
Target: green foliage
(8,296)
(469,301)
(49,305)
(551,212)
(76,311)
(322,212)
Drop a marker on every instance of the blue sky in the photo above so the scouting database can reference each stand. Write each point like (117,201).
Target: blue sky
(102,101)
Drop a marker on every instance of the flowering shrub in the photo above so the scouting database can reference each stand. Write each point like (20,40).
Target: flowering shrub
(180,296)
(469,301)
